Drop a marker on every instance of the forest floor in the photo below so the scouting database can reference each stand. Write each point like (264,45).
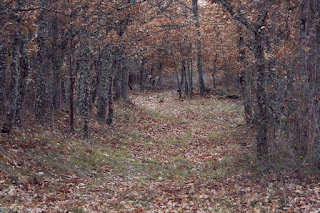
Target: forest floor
(161,155)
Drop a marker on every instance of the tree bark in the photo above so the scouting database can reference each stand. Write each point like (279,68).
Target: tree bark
(125,78)
(184,82)
(244,82)
(195,11)
(14,73)
(117,74)
(110,100)
(214,73)
(42,96)
(4,54)
(71,89)
(24,70)
(190,78)
(84,85)
(262,109)
(177,75)
(106,66)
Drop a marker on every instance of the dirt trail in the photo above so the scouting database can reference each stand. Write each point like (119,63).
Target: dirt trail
(201,125)
(161,155)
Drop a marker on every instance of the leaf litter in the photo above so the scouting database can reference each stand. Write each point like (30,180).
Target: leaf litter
(161,155)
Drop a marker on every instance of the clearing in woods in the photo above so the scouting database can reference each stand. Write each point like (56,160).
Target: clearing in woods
(161,155)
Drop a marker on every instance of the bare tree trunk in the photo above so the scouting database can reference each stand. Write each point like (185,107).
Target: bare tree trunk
(262,105)
(310,38)
(160,67)
(43,78)
(244,82)
(195,11)
(14,73)
(84,85)
(186,82)
(110,100)
(4,54)
(117,74)
(55,65)
(71,90)
(183,74)
(125,78)
(24,70)
(106,66)
(191,78)
(214,72)
(177,75)
(143,61)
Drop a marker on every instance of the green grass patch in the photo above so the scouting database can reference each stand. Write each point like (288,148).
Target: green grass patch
(218,168)
(177,140)
(88,160)
(76,209)
(117,159)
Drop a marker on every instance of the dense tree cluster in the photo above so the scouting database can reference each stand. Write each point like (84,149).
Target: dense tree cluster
(83,55)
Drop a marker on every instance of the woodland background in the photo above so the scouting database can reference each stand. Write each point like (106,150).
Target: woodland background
(77,59)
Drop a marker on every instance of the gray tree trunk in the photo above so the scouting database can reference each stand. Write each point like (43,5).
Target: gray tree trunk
(14,74)
(117,74)
(160,67)
(125,78)
(186,81)
(244,82)
(24,70)
(261,119)
(71,88)
(214,73)
(183,75)
(190,78)
(195,11)
(177,75)
(142,67)
(106,66)
(84,86)
(43,77)
(110,100)
(4,54)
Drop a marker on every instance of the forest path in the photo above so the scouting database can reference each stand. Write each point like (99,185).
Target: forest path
(187,150)
(161,155)
(196,129)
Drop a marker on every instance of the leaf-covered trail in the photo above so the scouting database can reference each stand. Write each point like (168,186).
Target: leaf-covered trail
(188,146)
(162,155)
(195,129)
